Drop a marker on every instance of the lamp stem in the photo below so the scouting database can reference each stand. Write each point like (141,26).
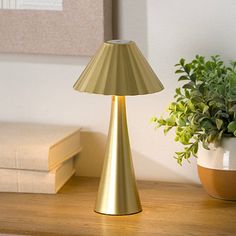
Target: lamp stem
(117,193)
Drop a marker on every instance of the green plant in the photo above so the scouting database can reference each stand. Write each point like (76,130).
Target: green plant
(204,108)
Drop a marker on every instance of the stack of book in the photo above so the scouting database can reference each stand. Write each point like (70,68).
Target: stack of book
(37,158)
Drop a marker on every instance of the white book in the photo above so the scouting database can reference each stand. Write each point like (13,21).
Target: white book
(37,146)
(26,181)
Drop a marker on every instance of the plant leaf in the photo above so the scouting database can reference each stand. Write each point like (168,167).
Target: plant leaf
(232,127)
(179,71)
(183,77)
(219,123)
(233,108)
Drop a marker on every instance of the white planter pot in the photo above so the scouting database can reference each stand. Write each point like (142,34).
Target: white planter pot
(217,169)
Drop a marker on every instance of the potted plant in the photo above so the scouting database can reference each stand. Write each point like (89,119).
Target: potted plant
(203,114)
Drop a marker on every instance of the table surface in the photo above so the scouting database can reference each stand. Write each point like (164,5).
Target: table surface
(168,209)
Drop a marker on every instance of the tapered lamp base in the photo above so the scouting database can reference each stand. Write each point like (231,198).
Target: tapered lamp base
(117,193)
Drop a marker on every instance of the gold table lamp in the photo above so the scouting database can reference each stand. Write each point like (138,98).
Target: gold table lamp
(118,69)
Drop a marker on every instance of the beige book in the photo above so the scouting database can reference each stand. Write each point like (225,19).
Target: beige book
(37,146)
(27,181)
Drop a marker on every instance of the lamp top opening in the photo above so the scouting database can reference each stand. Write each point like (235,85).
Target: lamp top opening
(119,41)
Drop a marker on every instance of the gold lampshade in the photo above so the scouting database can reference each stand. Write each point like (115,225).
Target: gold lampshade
(118,68)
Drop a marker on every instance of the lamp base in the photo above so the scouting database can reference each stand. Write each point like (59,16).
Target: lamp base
(117,193)
(124,214)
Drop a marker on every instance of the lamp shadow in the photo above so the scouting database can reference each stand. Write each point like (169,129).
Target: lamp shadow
(90,161)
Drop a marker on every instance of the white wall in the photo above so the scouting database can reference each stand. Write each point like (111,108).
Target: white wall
(39,88)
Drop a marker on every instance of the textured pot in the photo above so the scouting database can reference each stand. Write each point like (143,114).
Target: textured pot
(217,169)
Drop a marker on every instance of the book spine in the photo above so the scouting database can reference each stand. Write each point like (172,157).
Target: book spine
(26,181)
(33,157)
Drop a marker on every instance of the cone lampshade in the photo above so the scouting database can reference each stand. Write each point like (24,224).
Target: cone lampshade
(118,69)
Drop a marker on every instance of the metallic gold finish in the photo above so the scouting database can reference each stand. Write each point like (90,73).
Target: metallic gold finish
(118,68)
(118,194)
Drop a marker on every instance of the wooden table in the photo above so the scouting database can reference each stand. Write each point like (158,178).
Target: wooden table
(168,209)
